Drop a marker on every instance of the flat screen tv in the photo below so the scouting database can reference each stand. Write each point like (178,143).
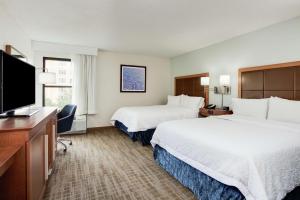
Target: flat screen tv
(17,80)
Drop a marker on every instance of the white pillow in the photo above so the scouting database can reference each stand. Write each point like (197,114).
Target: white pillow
(284,110)
(192,102)
(257,108)
(174,100)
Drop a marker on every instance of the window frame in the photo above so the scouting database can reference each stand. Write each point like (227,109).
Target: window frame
(44,69)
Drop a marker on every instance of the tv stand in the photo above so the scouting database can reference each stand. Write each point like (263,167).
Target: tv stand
(19,113)
(26,173)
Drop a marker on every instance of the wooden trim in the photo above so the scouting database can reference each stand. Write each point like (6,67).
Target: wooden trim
(121,78)
(272,66)
(206,95)
(239,84)
(193,76)
(174,92)
(260,68)
(8,49)
(206,88)
(100,128)
(189,76)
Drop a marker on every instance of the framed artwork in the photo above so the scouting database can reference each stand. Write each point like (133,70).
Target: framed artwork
(133,78)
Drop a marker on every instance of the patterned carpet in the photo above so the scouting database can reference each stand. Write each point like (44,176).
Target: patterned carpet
(106,164)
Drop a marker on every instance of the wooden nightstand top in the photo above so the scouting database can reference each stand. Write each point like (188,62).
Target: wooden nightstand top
(204,112)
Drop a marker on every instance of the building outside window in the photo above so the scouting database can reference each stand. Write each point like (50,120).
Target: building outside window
(58,94)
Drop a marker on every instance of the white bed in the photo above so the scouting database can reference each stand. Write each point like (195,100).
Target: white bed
(143,118)
(259,157)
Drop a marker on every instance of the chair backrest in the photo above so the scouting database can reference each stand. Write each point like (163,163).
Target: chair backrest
(67,110)
(67,116)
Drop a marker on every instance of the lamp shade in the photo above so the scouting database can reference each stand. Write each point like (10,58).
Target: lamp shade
(47,78)
(225,80)
(205,81)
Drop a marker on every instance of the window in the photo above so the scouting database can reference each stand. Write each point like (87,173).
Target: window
(58,94)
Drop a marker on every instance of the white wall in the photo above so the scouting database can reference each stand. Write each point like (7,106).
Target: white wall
(108,95)
(275,44)
(56,50)
(11,33)
(63,48)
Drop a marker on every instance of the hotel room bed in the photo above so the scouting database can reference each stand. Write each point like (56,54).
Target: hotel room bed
(230,157)
(253,154)
(140,122)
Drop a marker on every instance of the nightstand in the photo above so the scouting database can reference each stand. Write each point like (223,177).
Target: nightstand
(204,112)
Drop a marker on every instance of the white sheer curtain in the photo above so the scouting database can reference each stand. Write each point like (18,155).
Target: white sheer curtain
(84,81)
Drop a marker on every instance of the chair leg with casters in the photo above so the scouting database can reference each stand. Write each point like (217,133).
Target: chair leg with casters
(64,145)
(67,140)
(60,140)
(65,120)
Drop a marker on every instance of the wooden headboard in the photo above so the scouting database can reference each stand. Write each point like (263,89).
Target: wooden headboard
(282,80)
(190,85)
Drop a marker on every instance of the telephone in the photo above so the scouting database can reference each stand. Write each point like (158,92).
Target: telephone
(210,106)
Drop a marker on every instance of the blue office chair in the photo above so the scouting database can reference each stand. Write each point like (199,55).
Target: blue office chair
(64,123)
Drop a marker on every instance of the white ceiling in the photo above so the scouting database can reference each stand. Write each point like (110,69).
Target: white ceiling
(152,27)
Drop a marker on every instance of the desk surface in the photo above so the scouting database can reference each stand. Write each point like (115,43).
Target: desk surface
(7,156)
(25,123)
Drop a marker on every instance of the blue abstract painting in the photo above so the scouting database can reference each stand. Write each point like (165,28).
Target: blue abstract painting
(133,78)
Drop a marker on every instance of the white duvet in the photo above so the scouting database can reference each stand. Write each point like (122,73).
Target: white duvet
(147,117)
(260,158)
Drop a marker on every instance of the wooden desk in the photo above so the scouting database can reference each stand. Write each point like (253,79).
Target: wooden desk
(26,178)
(7,157)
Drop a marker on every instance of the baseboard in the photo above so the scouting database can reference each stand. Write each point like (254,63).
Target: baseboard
(101,128)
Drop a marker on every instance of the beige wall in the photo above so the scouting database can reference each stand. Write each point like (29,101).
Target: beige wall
(108,96)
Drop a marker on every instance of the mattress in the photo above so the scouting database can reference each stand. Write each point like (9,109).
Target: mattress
(143,118)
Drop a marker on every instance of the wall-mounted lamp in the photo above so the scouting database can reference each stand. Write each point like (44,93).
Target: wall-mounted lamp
(224,80)
(224,88)
(46,77)
(205,81)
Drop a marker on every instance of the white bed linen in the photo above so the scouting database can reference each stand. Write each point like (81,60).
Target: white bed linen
(259,157)
(147,117)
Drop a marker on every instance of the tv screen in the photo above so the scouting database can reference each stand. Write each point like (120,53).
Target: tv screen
(18,83)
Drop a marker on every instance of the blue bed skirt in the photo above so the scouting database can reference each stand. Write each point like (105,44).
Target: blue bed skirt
(203,186)
(143,136)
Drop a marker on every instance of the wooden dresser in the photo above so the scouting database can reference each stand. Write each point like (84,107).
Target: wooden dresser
(28,148)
